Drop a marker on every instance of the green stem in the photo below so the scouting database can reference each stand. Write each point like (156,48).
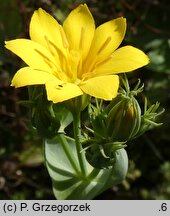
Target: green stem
(94,173)
(68,151)
(77,134)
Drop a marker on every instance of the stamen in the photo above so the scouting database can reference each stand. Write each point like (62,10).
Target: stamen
(104,45)
(48,44)
(103,62)
(80,69)
(93,72)
(74,62)
(45,58)
(48,63)
(61,56)
(59,52)
(82,35)
(63,36)
(58,71)
(88,75)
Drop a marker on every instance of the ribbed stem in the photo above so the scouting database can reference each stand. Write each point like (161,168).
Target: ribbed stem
(77,134)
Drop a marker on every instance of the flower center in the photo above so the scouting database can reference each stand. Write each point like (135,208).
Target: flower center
(97,60)
(65,63)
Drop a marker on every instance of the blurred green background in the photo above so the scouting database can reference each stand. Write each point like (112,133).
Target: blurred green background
(22,171)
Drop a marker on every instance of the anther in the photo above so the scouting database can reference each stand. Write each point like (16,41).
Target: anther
(40,53)
(48,44)
(46,59)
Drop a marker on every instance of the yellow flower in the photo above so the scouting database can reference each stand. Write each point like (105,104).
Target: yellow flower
(75,58)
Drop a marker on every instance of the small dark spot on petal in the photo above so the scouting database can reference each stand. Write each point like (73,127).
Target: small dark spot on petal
(60,86)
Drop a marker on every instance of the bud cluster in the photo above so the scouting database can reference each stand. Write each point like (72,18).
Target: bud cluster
(116,124)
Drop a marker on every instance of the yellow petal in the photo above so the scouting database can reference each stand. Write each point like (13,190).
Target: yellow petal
(107,38)
(44,29)
(28,76)
(79,27)
(125,59)
(32,53)
(58,91)
(104,87)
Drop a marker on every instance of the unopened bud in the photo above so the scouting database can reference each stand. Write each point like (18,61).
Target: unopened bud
(124,118)
(116,124)
(42,115)
(47,125)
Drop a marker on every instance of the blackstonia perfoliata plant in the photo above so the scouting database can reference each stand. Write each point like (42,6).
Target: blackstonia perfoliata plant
(69,67)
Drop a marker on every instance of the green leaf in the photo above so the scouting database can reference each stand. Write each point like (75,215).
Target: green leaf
(64,115)
(68,184)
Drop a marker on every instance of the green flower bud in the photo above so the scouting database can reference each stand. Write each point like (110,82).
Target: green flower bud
(116,124)
(123,119)
(48,118)
(42,115)
(46,125)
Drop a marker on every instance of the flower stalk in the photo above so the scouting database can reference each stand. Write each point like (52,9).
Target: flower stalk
(77,137)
